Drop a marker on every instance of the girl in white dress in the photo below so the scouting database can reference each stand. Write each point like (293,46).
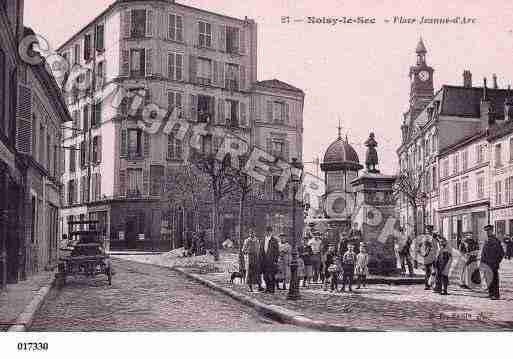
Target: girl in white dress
(362,265)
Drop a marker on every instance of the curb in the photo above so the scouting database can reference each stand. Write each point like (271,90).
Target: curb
(273,311)
(24,320)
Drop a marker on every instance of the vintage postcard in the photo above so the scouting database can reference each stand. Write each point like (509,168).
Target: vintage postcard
(258,166)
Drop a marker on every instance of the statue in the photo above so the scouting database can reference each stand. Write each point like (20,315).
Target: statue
(371,156)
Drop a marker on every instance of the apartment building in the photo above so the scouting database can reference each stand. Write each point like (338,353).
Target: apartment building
(200,63)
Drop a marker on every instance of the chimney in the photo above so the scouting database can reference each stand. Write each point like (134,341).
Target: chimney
(467,78)
(508,106)
(486,108)
(495,86)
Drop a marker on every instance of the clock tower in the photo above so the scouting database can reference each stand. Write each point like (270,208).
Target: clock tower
(421,80)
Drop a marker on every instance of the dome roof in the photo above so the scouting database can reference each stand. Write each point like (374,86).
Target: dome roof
(341,153)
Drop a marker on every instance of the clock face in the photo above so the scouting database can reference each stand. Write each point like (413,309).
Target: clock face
(424,75)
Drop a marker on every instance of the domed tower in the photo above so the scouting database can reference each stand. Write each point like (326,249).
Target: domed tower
(340,166)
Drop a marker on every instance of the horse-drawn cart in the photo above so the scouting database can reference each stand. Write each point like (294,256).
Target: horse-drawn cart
(85,253)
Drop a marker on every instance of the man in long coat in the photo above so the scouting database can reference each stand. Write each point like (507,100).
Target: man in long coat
(269,254)
(491,257)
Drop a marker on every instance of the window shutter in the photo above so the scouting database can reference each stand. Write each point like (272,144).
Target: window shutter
(243,117)
(24,116)
(193,106)
(242,85)
(122,182)
(147,144)
(125,62)
(222,37)
(286,150)
(212,109)
(99,186)
(220,112)
(149,23)
(146,182)
(220,66)
(86,144)
(99,149)
(93,187)
(285,112)
(179,67)
(269,111)
(169,64)
(227,112)
(125,23)
(215,72)
(242,46)
(159,62)
(124,144)
(170,100)
(192,69)
(86,117)
(97,114)
(149,62)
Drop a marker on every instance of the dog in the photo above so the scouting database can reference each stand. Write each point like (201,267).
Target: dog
(241,275)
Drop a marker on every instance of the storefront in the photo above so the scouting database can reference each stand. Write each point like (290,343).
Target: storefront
(503,220)
(454,223)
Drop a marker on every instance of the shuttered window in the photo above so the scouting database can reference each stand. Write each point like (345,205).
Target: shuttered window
(97,149)
(205,34)
(100,36)
(24,115)
(175,31)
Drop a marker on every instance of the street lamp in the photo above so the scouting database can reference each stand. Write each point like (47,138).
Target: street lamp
(296,170)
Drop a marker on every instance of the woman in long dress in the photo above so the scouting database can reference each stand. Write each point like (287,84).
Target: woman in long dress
(251,250)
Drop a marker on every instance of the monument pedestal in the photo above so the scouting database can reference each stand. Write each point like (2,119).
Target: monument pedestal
(377,220)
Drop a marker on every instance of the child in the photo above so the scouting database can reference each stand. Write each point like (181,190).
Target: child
(348,261)
(362,265)
(328,262)
(333,270)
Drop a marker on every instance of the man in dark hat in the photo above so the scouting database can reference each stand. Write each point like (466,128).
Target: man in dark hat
(491,256)
(269,254)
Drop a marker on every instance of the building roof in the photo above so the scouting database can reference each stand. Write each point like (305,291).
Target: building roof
(463,142)
(500,130)
(420,47)
(277,84)
(341,152)
(465,101)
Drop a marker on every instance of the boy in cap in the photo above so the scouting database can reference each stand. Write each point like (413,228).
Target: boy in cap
(443,265)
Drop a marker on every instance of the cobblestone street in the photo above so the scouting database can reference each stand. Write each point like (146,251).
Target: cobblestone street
(145,298)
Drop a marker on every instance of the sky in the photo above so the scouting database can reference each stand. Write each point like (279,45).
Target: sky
(355,73)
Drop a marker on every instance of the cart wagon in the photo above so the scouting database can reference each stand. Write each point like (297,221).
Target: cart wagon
(85,253)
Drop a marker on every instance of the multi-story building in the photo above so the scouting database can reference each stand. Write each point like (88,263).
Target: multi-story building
(201,63)
(11,191)
(31,114)
(500,139)
(446,143)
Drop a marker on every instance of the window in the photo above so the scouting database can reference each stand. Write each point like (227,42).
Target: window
(511,149)
(137,62)
(427,181)
(72,159)
(175,66)
(508,193)
(206,105)
(174,99)
(83,154)
(204,71)
(232,113)
(232,40)
(498,193)
(138,23)
(135,182)
(456,193)
(96,120)
(446,167)
(135,147)
(97,149)
(205,34)
(100,74)
(100,36)
(500,227)
(480,187)
(498,160)
(72,189)
(446,195)
(435,182)
(76,54)
(85,111)
(427,147)
(232,77)
(96,188)
(464,187)
(87,47)
(464,158)
(455,163)
(156,180)
(433,144)
(175,28)
(480,153)
(174,147)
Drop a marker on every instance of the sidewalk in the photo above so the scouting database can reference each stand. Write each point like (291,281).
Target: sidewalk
(20,301)
(377,307)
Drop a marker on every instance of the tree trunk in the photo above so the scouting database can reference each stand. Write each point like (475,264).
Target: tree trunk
(215,224)
(240,231)
(415,220)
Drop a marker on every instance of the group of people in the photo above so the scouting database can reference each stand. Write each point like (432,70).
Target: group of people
(270,258)
(436,257)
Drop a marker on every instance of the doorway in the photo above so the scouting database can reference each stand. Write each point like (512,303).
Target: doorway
(131,232)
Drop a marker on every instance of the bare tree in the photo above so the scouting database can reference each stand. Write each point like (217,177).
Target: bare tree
(410,185)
